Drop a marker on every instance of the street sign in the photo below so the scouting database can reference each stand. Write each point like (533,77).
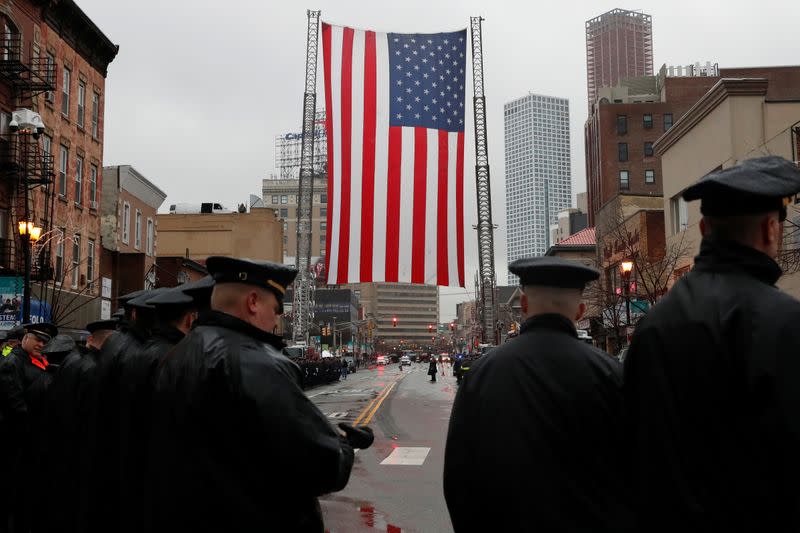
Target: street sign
(106,289)
(105,309)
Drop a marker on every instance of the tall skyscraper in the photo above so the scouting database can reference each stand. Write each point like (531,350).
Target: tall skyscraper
(538,175)
(619,44)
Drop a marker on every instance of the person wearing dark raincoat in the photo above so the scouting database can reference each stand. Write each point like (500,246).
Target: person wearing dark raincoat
(175,311)
(712,377)
(432,370)
(240,446)
(72,441)
(535,441)
(24,383)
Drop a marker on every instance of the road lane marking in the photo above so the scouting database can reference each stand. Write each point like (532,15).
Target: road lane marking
(407,456)
(378,404)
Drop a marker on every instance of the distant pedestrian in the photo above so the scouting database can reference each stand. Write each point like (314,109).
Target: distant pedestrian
(524,417)
(344,368)
(432,369)
(712,373)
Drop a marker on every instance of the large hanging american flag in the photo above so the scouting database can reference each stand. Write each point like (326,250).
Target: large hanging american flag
(395,120)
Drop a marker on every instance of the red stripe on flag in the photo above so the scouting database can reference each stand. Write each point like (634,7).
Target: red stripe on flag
(347,128)
(460,206)
(418,231)
(442,274)
(393,202)
(326,46)
(368,156)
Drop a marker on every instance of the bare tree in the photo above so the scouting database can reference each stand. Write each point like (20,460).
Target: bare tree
(619,239)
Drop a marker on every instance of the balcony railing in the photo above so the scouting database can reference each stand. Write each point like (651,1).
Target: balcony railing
(21,156)
(34,76)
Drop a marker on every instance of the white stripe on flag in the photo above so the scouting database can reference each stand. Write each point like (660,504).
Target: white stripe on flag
(452,232)
(406,223)
(356,149)
(431,207)
(334,111)
(381,157)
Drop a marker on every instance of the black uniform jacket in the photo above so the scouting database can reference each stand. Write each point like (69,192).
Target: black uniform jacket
(237,446)
(72,442)
(535,438)
(713,388)
(137,374)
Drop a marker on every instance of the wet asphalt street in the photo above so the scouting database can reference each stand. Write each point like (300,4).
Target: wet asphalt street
(396,485)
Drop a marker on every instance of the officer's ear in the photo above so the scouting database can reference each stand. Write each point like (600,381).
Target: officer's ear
(581,311)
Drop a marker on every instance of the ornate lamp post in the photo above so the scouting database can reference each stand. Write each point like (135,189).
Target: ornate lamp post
(30,233)
(626,267)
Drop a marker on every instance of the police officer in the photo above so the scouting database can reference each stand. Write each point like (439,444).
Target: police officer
(12,340)
(24,381)
(536,428)
(241,447)
(713,370)
(175,311)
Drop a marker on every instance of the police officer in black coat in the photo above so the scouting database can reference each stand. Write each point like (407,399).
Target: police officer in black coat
(535,435)
(241,447)
(72,441)
(713,370)
(24,384)
(175,311)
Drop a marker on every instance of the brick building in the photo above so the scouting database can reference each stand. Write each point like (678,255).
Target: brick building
(622,127)
(53,61)
(619,44)
(129,230)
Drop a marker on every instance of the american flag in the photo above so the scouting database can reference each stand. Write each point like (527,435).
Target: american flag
(395,121)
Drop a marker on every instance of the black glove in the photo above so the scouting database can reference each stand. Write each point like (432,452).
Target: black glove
(358,437)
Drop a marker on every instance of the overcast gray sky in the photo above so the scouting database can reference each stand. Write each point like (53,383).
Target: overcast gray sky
(199,88)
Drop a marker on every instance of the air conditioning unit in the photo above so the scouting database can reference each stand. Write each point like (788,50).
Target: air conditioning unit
(93,204)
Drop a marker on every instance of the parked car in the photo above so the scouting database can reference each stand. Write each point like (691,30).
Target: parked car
(381,361)
(405,361)
(351,363)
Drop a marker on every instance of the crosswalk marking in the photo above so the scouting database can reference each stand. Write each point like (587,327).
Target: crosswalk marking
(407,456)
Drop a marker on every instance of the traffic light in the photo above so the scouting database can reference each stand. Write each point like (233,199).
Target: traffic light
(394,321)
(430,328)
(452,326)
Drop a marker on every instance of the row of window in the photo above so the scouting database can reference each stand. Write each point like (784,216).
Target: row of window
(647,122)
(622,150)
(75,267)
(283,212)
(126,229)
(66,91)
(624,178)
(284,199)
(63,169)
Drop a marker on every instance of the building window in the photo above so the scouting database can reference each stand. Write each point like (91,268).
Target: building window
(65,92)
(284,212)
(81,103)
(622,124)
(60,255)
(276,199)
(323,198)
(648,149)
(126,223)
(667,121)
(150,236)
(624,183)
(649,176)
(679,214)
(647,121)
(62,171)
(323,228)
(47,149)
(284,199)
(138,228)
(323,211)
(622,151)
(95,114)
(90,263)
(78,180)
(93,187)
(76,260)
(50,69)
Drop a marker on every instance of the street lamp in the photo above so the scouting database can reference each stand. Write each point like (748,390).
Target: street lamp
(30,233)
(626,267)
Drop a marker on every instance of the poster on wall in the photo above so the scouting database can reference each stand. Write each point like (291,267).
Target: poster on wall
(11,304)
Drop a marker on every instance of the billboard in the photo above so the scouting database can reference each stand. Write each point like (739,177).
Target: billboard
(11,304)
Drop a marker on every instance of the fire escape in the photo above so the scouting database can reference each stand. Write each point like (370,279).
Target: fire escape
(26,170)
